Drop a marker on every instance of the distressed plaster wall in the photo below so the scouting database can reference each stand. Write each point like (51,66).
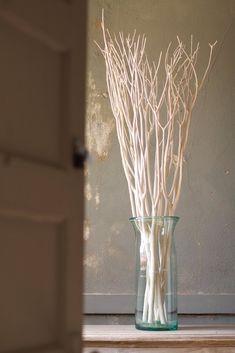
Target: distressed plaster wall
(205,235)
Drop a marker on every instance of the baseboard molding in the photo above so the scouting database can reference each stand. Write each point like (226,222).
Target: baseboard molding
(187,303)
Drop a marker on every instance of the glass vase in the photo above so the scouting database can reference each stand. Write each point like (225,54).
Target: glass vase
(156,273)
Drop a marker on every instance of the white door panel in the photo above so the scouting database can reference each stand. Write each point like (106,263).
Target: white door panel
(42,68)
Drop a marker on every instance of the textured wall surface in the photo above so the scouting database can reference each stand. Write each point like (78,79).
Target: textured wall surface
(205,235)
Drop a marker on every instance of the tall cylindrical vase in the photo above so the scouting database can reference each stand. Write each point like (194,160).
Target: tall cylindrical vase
(156,273)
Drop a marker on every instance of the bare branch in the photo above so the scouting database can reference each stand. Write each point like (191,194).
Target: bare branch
(152,117)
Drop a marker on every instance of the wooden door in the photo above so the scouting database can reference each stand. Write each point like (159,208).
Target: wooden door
(42,68)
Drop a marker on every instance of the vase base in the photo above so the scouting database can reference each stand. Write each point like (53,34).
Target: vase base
(157,326)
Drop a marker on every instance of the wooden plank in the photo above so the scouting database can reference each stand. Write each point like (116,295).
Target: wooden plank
(160,350)
(126,336)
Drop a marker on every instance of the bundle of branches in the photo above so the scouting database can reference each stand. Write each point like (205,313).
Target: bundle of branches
(152,105)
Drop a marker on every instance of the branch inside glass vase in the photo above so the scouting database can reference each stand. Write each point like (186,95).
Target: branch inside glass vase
(152,104)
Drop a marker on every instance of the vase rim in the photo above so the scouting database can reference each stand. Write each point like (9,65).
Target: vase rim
(157,218)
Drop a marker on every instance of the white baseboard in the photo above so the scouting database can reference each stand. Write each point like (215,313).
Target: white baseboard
(187,303)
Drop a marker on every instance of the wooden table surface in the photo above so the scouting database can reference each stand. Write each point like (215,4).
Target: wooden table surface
(126,336)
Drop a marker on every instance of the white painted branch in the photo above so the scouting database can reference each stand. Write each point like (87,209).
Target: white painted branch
(153,120)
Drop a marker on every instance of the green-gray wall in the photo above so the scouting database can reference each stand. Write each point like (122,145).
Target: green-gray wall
(205,235)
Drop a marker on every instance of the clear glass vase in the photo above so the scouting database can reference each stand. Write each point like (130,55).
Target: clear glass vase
(156,273)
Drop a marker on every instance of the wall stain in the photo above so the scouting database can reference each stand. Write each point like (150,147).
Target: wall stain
(113,252)
(116,228)
(98,126)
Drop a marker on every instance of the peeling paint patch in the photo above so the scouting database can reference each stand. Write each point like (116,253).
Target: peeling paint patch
(98,126)
(91,262)
(97,198)
(86,230)
(88,192)
(115,230)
